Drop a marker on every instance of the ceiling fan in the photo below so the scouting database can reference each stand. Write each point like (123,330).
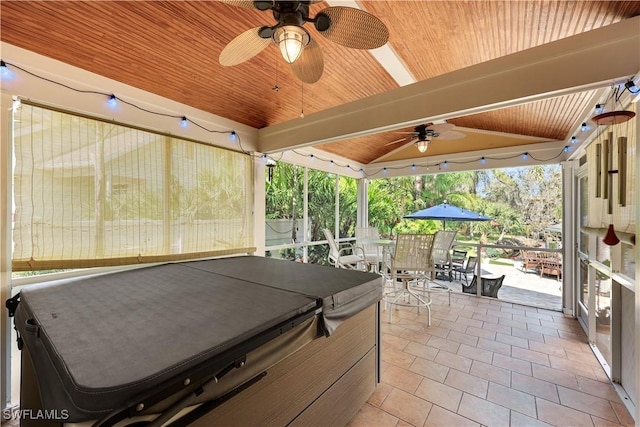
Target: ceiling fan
(347,26)
(423,134)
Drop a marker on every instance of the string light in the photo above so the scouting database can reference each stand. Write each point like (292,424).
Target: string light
(440,165)
(113,102)
(632,87)
(599,109)
(584,127)
(5,72)
(574,139)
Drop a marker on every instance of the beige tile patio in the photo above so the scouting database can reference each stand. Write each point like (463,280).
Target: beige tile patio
(400,378)
(535,387)
(512,399)
(379,394)
(440,417)
(483,411)
(530,355)
(369,416)
(512,364)
(467,383)
(587,403)
(491,373)
(420,350)
(453,361)
(475,353)
(429,369)
(464,375)
(559,415)
(521,420)
(407,407)
(439,394)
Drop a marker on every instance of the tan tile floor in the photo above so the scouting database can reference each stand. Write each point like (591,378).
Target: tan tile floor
(488,362)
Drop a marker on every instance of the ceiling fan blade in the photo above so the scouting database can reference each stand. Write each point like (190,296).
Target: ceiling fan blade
(452,134)
(441,127)
(249,4)
(353,28)
(407,139)
(243,47)
(310,65)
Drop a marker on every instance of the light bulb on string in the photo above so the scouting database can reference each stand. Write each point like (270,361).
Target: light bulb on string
(483,160)
(584,127)
(112,102)
(5,72)
(184,122)
(574,139)
(525,156)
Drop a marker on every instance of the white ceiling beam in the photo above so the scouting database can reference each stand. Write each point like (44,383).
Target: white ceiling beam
(584,61)
(386,56)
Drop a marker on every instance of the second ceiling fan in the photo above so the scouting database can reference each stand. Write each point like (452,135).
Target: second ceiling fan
(347,26)
(424,134)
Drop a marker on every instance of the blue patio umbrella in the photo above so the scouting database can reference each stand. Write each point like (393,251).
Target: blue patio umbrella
(446,212)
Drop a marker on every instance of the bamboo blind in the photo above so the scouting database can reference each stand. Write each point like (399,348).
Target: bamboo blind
(93,193)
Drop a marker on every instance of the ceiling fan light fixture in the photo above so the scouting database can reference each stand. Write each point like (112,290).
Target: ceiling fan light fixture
(422,145)
(291,40)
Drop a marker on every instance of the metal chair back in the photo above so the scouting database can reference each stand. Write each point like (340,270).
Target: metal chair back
(413,255)
(364,237)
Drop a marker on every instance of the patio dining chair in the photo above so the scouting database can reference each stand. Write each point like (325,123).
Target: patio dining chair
(442,252)
(458,258)
(349,257)
(365,239)
(464,270)
(412,265)
(489,286)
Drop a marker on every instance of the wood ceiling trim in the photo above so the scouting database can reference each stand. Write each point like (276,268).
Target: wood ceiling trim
(561,67)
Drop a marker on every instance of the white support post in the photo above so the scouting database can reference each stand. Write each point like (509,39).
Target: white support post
(336,225)
(569,247)
(637,259)
(305,216)
(362,202)
(6,106)
(259,206)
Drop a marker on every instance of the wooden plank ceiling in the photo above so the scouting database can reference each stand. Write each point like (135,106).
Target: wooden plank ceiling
(171,49)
